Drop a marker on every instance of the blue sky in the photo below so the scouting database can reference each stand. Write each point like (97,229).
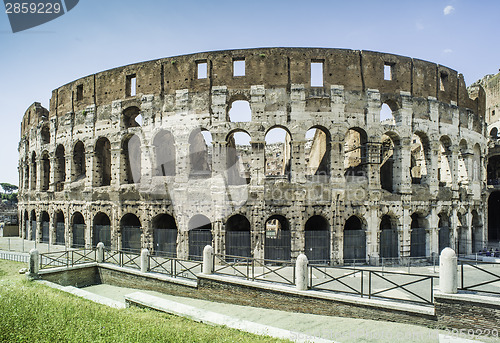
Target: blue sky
(101,34)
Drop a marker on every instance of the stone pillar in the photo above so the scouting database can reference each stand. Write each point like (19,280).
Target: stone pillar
(403,163)
(34,265)
(208,261)
(144,260)
(433,231)
(454,228)
(372,234)
(301,272)
(448,276)
(100,252)
(406,232)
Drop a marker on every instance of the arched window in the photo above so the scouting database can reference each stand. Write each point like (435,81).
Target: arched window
(444,171)
(200,153)
(101,231)
(78,224)
(60,228)
(130,227)
(418,236)
(238,236)
(317,151)
(355,154)
(79,169)
(132,117)
(45,171)
(238,158)
(45,227)
(45,134)
(494,133)
(389,240)
(317,240)
(386,115)
(278,152)
(420,157)
(131,160)
(240,111)
(200,235)
(164,150)
(354,241)
(102,162)
(277,245)
(60,171)
(165,235)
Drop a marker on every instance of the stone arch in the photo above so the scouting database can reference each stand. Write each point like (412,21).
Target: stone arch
(78,229)
(420,157)
(131,232)
(418,236)
(45,134)
(317,239)
(102,162)
(277,245)
(101,230)
(318,151)
(164,152)
(494,133)
(387,113)
(444,162)
(131,164)
(238,241)
(60,228)
(200,153)
(165,235)
(354,246)
(132,117)
(79,169)
(45,220)
(60,168)
(389,238)
(355,153)
(240,111)
(278,151)
(238,157)
(200,235)
(390,162)
(45,177)
(444,231)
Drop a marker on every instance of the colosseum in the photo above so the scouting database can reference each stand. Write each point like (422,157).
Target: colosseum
(344,155)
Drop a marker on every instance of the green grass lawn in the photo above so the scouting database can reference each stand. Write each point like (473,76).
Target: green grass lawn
(31,312)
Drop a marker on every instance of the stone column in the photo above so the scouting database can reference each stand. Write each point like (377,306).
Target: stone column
(208,261)
(301,272)
(448,278)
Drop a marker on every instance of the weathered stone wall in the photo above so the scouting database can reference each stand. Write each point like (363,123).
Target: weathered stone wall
(426,99)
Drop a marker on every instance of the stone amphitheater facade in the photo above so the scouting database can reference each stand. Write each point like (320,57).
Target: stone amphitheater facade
(372,185)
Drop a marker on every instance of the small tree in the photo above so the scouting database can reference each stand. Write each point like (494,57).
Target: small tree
(8,188)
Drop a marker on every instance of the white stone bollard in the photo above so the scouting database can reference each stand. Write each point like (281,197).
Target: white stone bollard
(144,260)
(34,265)
(301,273)
(100,252)
(208,260)
(448,276)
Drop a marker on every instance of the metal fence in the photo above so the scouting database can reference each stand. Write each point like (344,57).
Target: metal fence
(67,258)
(480,277)
(175,267)
(122,258)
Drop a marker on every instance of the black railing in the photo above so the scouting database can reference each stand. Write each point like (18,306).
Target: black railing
(473,277)
(175,267)
(122,258)
(67,258)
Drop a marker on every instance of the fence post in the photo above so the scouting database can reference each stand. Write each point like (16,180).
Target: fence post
(208,262)
(34,265)
(100,252)
(448,277)
(144,260)
(301,272)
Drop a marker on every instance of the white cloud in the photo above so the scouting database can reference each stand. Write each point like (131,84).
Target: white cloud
(448,9)
(447,51)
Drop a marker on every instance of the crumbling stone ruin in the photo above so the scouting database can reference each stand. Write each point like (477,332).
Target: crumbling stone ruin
(348,156)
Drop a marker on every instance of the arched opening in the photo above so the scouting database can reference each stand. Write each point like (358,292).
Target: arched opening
(317,240)
(78,224)
(33,225)
(131,160)
(462,239)
(238,158)
(444,158)
(494,133)
(132,117)
(477,233)
(418,236)
(389,240)
(200,153)
(278,152)
(390,172)
(130,227)
(165,235)
(420,158)
(33,171)
(45,226)
(493,170)
(79,169)
(462,173)
(45,134)
(26,225)
(101,231)
(200,235)
(240,111)
(164,149)
(45,177)
(238,236)
(386,115)
(494,217)
(102,162)
(476,163)
(277,245)
(60,228)
(317,152)
(60,171)
(354,241)
(355,154)
(444,231)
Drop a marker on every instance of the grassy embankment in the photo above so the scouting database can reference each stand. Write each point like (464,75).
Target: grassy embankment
(31,312)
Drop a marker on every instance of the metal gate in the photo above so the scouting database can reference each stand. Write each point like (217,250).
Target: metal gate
(165,242)
(444,238)
(354,245)
(417,247)
(277,245)
(317,247)
(78,235)
(198,239)
(131,238)
(389,243)
(102,233)
(45,232)
(60,234)
(238,243)
(33,230)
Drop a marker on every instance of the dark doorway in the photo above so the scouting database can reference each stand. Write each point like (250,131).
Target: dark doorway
(277,244)
(78,231)
(494,217)
(200,235)
(317,240)
(45,227)
(130,227)
(102,230)
(418,236)
(165,235)
(389,241)
(238,236)
(444,232)
(60,240)
(354,241)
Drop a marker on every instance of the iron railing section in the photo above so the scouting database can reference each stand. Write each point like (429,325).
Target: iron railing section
(67,258)
(346,280)
(122,258)
(175,267)
(479,268)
